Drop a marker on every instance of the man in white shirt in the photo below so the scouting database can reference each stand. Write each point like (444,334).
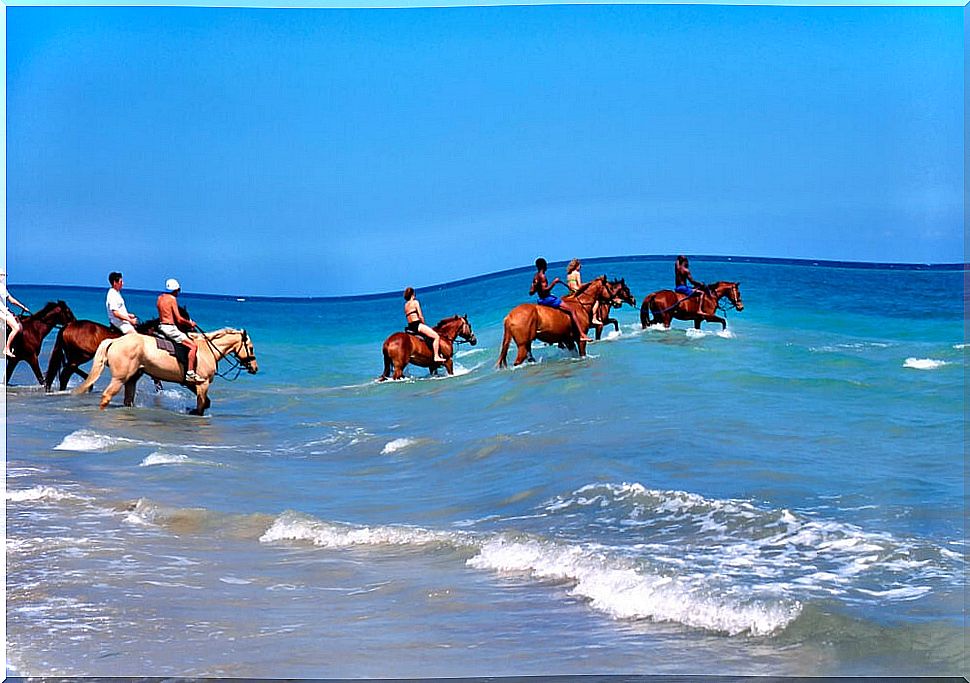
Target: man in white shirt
(118,315)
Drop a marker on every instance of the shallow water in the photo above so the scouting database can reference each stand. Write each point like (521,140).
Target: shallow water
(785,497)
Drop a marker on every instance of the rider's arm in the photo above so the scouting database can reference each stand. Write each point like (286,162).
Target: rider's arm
(14,300)
(418,310)
(179,320)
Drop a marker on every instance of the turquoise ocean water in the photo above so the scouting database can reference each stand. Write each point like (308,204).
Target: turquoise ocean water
(783,498)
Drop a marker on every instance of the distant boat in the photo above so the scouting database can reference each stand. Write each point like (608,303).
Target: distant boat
(239,299)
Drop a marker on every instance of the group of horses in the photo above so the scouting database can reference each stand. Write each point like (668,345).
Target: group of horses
(128,356)
(529,322)
(131,356)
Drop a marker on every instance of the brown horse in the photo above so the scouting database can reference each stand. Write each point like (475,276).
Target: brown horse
(621,295)
(132,355)
(26,345)
(402,348)
(527,322)
(77,343)
(699,307)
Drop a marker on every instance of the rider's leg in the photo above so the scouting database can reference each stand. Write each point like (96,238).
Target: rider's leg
(577,324)
(435,341)
(596,318)
(14,326)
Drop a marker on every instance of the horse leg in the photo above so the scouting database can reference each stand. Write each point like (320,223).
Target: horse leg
(582,349)
(387,367)
(114,386)
(599,330)
(35,366)
(450,366)
(68,371)
(202,401)
(130,389)
(11,364)
(523,351)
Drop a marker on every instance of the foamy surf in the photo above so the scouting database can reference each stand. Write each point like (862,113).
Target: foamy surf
(89,441)
(397,445)
(37,493)
(164,459)
(291,526)
(614,586)
(924,363)
(611,585)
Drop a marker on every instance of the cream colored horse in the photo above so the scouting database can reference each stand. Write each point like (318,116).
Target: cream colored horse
(132,355)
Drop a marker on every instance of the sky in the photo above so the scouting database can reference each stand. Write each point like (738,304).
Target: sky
(328,152)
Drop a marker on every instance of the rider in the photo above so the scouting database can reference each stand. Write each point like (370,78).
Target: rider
(7,316)
(683,279)
(118,315)
(574,282)
(543,289)
(168,320)
(417,325)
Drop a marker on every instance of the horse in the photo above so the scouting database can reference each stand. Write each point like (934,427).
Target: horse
(621,295)
(77,343)
(26,345)
(527,322)
(402,348)
(132,355)
(666,304)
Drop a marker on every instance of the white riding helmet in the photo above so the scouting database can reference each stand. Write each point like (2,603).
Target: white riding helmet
(172,284)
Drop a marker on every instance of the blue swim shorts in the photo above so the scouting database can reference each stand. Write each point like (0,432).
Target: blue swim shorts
(684,289)
(552,301)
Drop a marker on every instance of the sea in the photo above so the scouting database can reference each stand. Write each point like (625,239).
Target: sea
(785,497)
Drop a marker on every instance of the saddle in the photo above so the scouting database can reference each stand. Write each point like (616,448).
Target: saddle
(179,351)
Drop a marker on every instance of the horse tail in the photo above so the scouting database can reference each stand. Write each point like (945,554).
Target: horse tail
(100,360)
(57,359)
(645,318)
(506,339)
(387,363)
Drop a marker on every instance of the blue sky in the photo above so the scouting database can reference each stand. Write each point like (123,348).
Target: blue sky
(330,152)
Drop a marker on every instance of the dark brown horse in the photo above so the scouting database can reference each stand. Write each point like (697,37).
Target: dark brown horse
(402,348)
(79,340)
(26,345)
(621,295)
(700,307)
(527,322)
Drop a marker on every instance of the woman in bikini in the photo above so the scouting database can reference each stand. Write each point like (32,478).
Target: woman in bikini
(416,324)
(574,282)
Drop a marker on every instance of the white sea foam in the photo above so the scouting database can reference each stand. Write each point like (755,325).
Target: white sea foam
(291,526)
(39,493)
(960,346)
(615,587)
(87,440)
(924,363)
(397,445)
(164,459)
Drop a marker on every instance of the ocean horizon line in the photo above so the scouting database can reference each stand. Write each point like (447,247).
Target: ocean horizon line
(707,258)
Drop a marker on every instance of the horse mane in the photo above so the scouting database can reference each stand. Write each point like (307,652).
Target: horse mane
(46,309)
(586,285)
(447,320)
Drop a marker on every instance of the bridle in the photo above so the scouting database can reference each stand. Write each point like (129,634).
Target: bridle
(238,363)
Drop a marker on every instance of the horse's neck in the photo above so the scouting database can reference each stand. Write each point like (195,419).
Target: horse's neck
(224,343)
(449,328)
(591,294)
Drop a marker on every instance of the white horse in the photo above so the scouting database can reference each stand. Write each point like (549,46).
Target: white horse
(132,355)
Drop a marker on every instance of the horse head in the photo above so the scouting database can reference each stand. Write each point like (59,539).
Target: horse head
(54,313)
(732,292)
(245,353)
(621,293)
(456,326)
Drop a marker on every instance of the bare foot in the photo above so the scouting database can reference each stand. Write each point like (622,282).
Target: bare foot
(8,353)
(585,339)
(597,322)
(440,360)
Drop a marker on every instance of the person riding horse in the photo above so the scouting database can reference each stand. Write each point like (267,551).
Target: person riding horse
(417,325)
(169,322)
(683,279)
(9,318)
(543,291)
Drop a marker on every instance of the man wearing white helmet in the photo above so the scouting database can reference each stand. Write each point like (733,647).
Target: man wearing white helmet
(9,318)
(169,319)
